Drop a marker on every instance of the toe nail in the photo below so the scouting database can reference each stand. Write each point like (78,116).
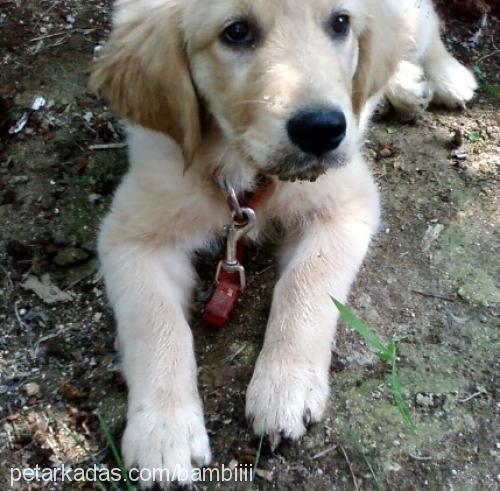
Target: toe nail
(307,418)
(274,440)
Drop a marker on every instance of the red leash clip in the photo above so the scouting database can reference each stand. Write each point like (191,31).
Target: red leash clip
(230,279)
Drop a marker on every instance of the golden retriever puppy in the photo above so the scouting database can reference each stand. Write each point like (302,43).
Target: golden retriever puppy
(244,88)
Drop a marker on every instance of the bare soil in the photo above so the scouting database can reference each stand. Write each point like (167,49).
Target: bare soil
(431,279)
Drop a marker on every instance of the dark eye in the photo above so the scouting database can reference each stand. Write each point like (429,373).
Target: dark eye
(239,33)
(340,25)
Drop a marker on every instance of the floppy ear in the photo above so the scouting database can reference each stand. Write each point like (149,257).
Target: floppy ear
(143,72)
(382,45)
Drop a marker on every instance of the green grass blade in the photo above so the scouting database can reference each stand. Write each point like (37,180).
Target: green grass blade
(387,354)
(114,486)
(376,480)
(105,431)
(354,322)
(398,395)
(101,486)
(256,463)
(359,448)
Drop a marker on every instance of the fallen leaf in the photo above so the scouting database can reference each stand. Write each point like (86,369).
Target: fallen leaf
(46,290)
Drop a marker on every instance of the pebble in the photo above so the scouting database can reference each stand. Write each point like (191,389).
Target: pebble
(18,180)
(32,389)
(386,152)
(459,154)
(266,475)
(425,400)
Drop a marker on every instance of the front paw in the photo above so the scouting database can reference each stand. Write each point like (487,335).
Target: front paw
(165,442)
(283,399)
(409,91)
(454,85)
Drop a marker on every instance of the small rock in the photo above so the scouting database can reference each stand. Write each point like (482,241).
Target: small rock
(425,400)
(38,104)
(459,154)
(266,475)
(69,256)
(385,153)
(13,181)
(94,198)
(88,116)
(32,389)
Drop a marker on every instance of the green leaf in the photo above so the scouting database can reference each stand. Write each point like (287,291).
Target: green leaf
(474,136)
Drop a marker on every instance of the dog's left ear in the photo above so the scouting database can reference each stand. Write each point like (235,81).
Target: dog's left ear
(143,72)
(382,44)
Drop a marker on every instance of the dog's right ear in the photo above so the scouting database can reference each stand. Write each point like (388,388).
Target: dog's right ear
(143,72)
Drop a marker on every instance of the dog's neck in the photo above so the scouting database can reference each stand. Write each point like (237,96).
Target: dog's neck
(241,177)
(216,156)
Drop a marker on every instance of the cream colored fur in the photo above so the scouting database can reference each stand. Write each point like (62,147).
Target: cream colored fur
(194,106)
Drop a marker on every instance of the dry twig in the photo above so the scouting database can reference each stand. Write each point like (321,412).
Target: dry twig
(354,480)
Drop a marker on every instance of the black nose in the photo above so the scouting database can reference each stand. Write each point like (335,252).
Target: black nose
(317,132)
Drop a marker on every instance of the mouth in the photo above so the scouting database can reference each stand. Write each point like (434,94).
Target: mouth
(304,168)
(310,174)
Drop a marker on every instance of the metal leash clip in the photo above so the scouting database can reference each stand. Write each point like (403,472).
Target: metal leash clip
(244,220)
(232,200)
(230,277)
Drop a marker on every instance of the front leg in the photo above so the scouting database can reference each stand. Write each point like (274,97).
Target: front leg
(149,286)
(290,385)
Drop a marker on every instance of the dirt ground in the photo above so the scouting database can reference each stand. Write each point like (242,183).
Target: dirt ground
(431,278)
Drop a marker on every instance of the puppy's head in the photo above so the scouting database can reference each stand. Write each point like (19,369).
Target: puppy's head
(283,81)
